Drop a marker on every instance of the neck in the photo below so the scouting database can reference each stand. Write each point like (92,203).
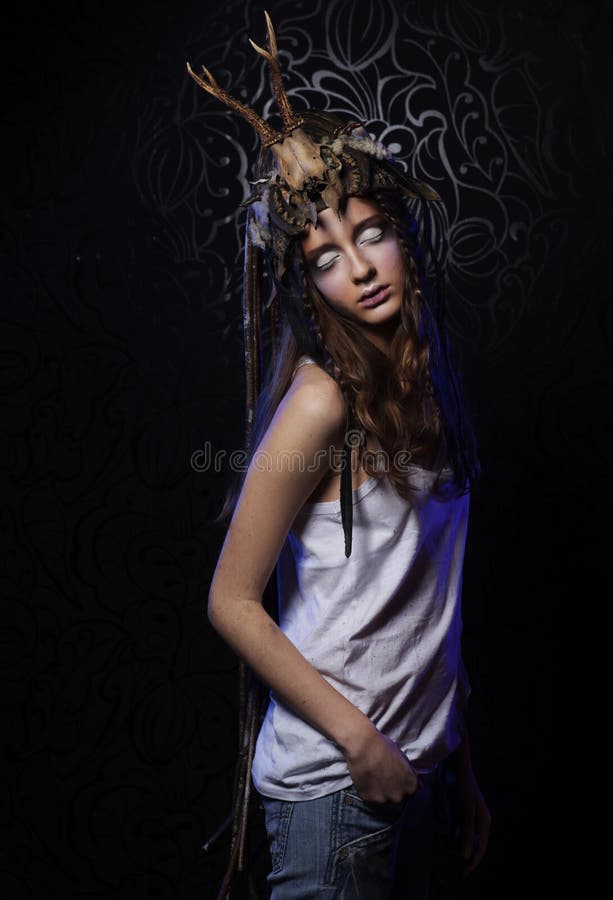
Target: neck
(382,335)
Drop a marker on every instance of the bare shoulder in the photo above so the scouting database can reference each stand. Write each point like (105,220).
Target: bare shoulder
(315,395)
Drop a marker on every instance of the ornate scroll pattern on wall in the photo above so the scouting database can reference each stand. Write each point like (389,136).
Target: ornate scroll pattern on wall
(121,355)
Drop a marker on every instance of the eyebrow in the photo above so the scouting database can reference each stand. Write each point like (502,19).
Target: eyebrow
(375,219)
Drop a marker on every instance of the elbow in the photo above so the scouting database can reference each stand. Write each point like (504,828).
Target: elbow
(228,615)
(213,611)
(221,613)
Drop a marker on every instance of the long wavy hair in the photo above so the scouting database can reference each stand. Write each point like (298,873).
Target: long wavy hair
(412,401)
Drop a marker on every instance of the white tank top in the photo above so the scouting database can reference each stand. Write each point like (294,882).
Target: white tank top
(383,627)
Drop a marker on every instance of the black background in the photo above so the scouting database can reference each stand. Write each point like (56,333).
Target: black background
(121,353)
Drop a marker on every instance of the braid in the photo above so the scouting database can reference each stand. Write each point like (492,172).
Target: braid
(310,314)
(314,324)
(422,344)
(275,328)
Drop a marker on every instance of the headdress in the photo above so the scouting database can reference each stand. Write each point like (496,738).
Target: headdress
(304,176)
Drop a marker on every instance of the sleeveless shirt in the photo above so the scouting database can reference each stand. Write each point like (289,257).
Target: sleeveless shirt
(383,627)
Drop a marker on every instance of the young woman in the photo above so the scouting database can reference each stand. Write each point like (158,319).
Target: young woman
(366,681)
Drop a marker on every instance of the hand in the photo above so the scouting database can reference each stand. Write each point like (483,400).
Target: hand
(379,769)
(474,816)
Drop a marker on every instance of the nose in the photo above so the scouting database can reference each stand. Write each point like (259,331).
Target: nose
(362,269)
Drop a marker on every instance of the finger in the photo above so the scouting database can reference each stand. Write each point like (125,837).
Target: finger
(468,832)
(483,837)
(479,854)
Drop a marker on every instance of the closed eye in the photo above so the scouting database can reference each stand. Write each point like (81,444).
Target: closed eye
(326,260)
(371,235)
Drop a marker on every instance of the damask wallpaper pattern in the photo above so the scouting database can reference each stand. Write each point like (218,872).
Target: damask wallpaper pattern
(121,351)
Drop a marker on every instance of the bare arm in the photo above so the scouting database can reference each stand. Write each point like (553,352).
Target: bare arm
(309,420)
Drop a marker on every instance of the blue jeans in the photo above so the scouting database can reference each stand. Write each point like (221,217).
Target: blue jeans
(341,847)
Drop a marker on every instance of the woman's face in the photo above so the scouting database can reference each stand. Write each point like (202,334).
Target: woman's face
(357,264)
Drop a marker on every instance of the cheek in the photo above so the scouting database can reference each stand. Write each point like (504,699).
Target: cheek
(392,260)
(332,286)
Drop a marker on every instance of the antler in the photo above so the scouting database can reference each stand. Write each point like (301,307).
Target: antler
(288,116)
(267,133)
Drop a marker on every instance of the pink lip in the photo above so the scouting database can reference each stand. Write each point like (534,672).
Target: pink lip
(376,296)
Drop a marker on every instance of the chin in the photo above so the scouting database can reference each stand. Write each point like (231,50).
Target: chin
(386,312)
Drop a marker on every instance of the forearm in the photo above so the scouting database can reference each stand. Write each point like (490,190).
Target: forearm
(258,640)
